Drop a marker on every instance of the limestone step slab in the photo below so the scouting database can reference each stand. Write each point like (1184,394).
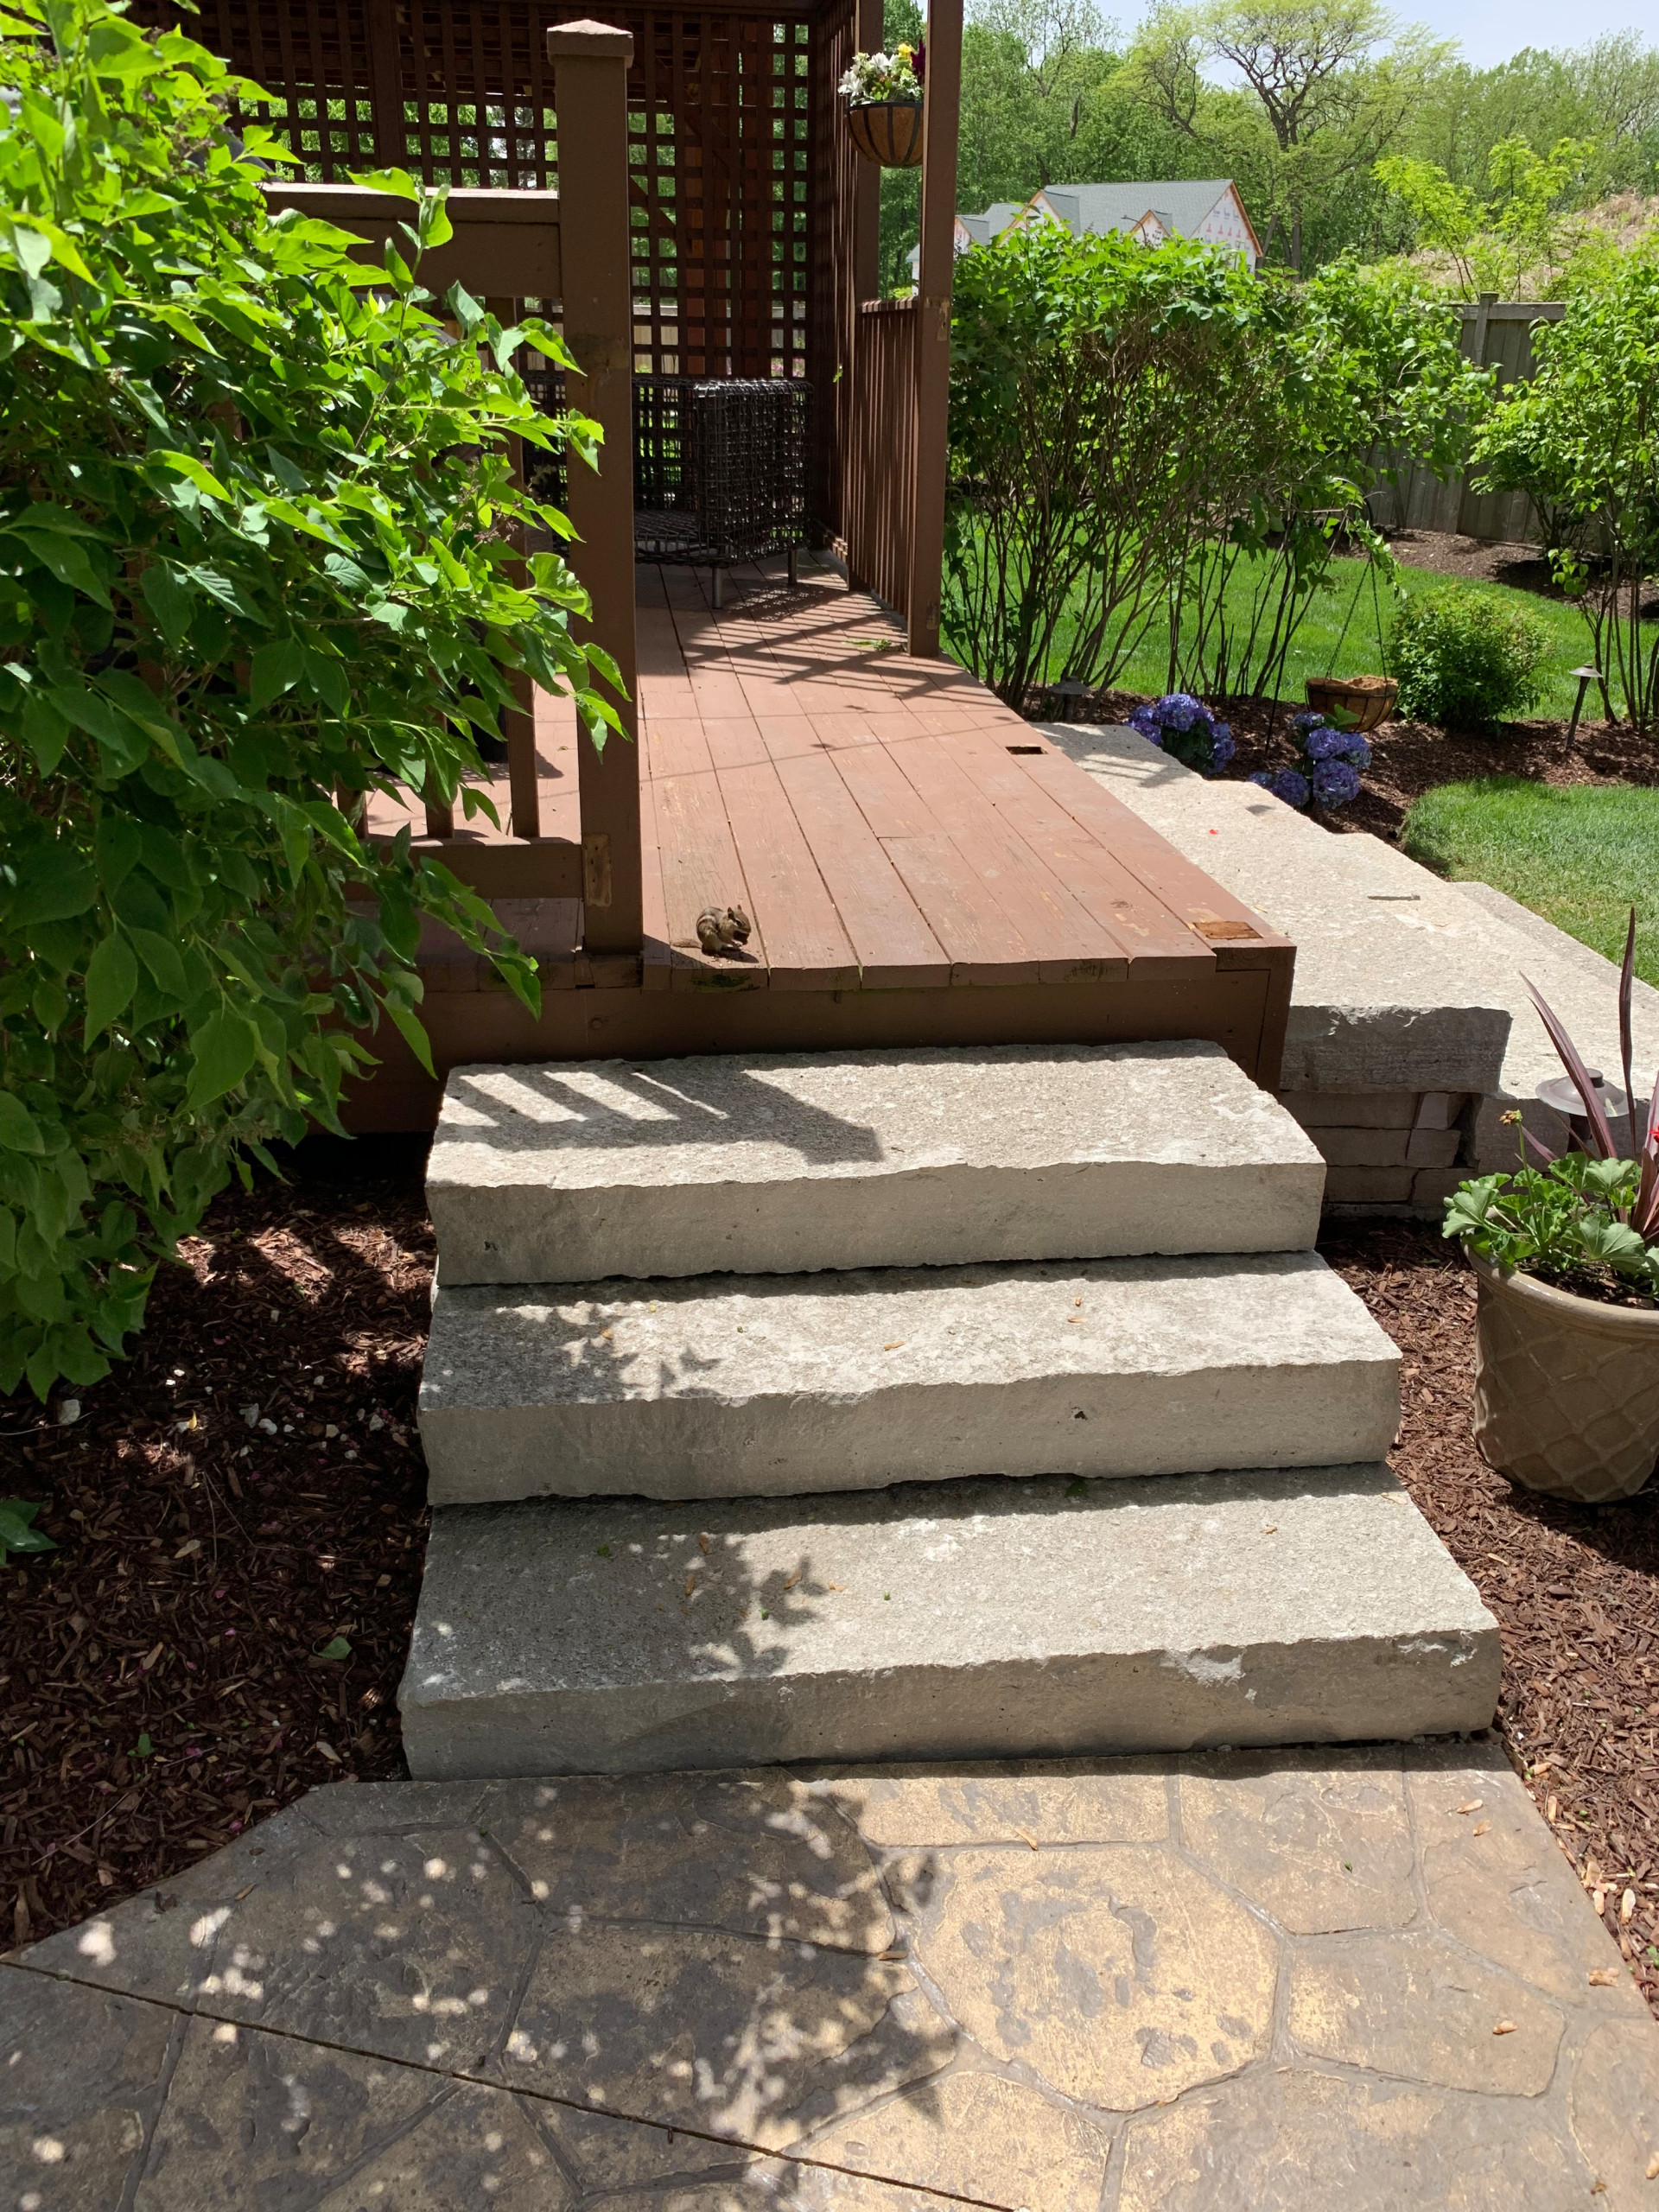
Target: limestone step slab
(779,1385)
(981,1619)
(790,1162)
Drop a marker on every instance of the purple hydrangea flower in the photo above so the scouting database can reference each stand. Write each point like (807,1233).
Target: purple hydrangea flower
(1291,786)
(1306,722)
(1145,720)
(1325,744)
(1359,749)
(1336,782)
(1262,776)
(1178,710)
(1222,747)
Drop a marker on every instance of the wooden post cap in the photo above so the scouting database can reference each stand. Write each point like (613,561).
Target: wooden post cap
(600,42)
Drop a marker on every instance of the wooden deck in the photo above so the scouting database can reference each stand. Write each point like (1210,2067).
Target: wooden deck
(920,867)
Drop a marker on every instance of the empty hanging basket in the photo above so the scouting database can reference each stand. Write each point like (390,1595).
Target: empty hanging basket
(888,132)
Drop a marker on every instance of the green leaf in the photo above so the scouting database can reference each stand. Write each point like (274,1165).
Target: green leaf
(186,465)
(143,1748)
(15,1533)
(410,1029)
(46,730)
(117,843)
(336,1648)
(111,978)
(162,958)
(66,558)
(168,600)
(224,1049)
(18,1130)
(276,669)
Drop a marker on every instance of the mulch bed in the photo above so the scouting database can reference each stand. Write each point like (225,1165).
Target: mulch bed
(160,1680)
(203,1565)
(1573,1587)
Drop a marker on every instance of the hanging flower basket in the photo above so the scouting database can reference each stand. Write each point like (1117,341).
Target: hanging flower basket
(883,92)
(888,132)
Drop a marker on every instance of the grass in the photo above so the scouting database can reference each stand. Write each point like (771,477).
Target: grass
(1316,643)
(1580,854)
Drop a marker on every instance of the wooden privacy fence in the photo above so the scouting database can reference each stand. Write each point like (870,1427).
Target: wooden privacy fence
(1498,334)
(509,246)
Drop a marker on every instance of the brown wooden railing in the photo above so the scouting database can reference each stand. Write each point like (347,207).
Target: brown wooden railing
(510,246)
(879,477)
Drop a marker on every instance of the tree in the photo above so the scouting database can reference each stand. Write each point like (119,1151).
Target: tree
(1524,234)
(1328,86)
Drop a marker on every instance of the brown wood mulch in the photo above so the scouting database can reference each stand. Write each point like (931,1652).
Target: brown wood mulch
(245,1489)
(1575,1589)
(204,1565)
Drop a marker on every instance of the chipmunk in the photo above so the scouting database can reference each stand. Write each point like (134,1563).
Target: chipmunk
(727,933)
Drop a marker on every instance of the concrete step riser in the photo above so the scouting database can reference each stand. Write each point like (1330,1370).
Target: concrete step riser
(790,1164)
(769,1387)
(984,1620)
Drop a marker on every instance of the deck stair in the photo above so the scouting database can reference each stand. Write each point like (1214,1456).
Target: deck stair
(941,1403)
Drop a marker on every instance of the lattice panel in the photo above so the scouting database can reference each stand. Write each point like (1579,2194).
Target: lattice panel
(312,60)
(737,167)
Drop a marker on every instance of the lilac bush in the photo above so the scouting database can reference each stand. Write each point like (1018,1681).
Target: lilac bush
(1186,729)
(1334,757)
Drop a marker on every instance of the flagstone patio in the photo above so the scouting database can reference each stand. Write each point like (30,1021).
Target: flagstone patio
(1364,1979)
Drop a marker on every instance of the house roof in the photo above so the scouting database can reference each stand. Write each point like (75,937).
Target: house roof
(1180,207)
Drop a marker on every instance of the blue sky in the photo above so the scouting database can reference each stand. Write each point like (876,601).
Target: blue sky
(1492,30)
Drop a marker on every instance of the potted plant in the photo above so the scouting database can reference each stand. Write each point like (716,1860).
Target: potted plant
(1183,726)
(1565,1255)
(883,92)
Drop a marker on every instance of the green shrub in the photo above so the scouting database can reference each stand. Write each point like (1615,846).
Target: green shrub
(1158,443)
(1581,438)
(255,551)
(1466,658)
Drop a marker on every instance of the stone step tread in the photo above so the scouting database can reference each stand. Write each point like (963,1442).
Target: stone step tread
(722,1386)
(790,1162)
(983,1618)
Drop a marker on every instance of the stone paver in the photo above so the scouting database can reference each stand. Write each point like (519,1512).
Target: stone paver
(764,1386)
(769,1162)
(1223,1982)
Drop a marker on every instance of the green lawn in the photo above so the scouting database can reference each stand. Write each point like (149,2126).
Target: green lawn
(1315,643)
(1581,855)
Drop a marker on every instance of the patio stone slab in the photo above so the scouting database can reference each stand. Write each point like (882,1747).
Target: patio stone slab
(788,1162)
(761,1386)
(1404,981)
(1108,1986)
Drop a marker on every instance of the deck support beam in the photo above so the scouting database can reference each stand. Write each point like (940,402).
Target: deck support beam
(590,72)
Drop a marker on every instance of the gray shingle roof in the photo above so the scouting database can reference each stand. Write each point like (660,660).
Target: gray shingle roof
(1092,208)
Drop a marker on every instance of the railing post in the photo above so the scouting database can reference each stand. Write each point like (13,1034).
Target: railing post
(590,73)
(941,120)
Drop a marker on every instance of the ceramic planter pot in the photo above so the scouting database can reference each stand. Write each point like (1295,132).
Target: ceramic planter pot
(1369,698)
(888,132)
(1567,1391)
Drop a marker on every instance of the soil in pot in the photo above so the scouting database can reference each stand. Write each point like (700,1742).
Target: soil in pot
(1567,1388)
